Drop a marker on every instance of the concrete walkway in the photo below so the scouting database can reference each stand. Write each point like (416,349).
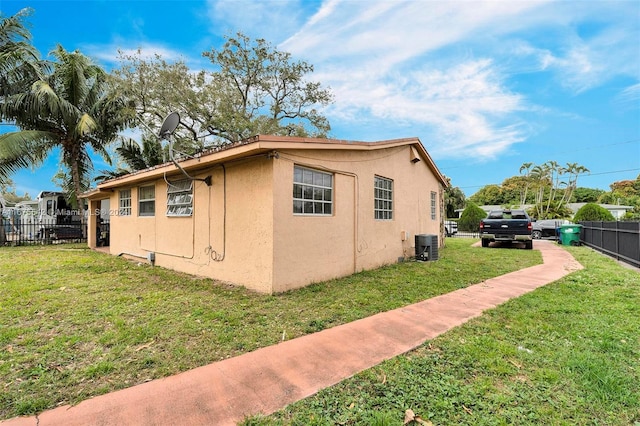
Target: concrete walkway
(268,379)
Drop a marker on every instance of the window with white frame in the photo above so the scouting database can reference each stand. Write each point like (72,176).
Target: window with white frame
(383,198)
(312,192)
(434,204)
(147,200)
(180,198)
(124,202)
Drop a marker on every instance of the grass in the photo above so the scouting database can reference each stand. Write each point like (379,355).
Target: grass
(565,354)
(75,323)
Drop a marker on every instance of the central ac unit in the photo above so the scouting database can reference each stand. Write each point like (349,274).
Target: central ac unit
(426,247)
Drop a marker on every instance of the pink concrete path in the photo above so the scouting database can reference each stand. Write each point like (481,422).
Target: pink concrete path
(268,379)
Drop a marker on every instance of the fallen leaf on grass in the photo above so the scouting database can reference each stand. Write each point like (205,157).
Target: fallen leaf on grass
(145,346)
(10,349)
(411,417)
(516,364)
(384,379)
(467,410)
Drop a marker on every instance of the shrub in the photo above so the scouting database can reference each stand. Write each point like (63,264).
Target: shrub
(593,212)
(470,218)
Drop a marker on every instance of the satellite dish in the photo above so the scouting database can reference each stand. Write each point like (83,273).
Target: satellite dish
(169,124)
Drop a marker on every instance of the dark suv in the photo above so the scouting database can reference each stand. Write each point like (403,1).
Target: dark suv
(546,228)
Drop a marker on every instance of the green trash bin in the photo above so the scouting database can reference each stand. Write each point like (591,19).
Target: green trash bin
(570,234)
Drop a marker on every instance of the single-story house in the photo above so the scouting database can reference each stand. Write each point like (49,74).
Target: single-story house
(275,213)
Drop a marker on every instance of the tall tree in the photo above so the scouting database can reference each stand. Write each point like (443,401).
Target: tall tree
(624,192)
(554,185)
(454,199)
(549,186)
(265,91)
(586,195)
(526,181)
(154,87)
(253,89)
(9,194)
(69,108)
(488,195)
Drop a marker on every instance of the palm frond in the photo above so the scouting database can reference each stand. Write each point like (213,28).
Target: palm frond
(27,148)
(19,60)
(131,154)
(100,148)
(85,126)
(46,100)
(105,175)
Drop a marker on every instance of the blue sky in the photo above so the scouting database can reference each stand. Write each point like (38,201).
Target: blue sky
(485,85)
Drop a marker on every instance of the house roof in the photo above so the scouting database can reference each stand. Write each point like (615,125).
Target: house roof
(262,145)
(577,206)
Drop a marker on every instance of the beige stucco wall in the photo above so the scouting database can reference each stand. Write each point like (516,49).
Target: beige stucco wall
(229,236)
(243,229)
(314,248)
(311,248)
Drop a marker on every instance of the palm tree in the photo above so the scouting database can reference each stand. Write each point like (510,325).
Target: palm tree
(135,157)
(19,66)
(70,108)
(19,62)
(526,167)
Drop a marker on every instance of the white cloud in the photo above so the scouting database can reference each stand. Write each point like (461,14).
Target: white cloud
(588,63)
(437,68)
(396,30)
(462,108)
(376,58)
(629,96)
(584,47)
(271,20)
(441,68)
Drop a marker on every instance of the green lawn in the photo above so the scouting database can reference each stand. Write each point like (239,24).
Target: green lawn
(75,323)
(565,354)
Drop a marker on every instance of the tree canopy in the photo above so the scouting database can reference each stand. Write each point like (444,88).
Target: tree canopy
(593,212)
(72,104)
(549,187)
(454,199)
(624,192)
(70,108)
(255,89)
(9,194)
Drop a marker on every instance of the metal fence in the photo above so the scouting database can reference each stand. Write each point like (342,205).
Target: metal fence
(14,234)
(620,240)
(461,234)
